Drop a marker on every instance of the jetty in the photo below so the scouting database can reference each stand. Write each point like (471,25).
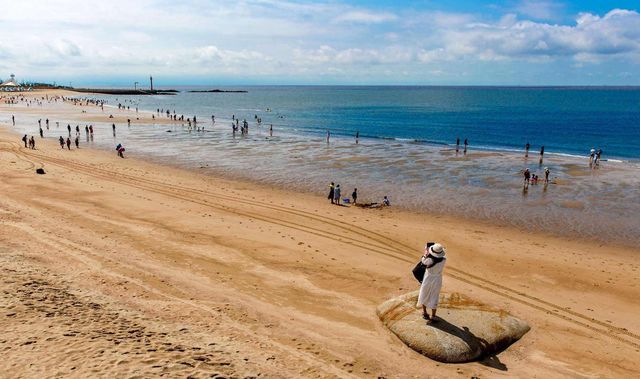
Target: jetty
(116,91)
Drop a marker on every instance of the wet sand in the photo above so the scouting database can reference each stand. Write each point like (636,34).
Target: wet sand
(126,267)
(483,185)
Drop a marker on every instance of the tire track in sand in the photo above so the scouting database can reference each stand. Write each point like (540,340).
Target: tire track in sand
(381,244)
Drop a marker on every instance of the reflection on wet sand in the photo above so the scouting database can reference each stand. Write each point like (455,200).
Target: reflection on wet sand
(482,184)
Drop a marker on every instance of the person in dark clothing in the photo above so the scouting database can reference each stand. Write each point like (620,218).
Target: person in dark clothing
(546,174)
(24,139)
(61,140)
(354,196)
(526,150)
(41,133)
(332,188)
(68,143)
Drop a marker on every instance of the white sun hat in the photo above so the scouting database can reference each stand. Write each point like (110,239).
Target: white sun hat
(437,250)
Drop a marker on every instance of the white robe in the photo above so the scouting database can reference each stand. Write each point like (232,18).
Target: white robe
(431,283)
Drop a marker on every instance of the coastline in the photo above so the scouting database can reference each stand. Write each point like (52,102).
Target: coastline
(483,185)
(171,247)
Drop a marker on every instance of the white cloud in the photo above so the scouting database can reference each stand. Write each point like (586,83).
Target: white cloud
(366,17)
(64,48)
(617,33)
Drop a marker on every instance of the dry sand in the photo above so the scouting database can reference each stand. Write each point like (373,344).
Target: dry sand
(119,267)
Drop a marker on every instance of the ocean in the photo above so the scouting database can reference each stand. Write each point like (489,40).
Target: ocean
(564,120)
(407,151)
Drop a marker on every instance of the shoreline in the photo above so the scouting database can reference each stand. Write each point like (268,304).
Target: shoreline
(490,213)
(289,271)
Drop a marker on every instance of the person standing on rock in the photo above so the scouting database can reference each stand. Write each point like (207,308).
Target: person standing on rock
(434,260)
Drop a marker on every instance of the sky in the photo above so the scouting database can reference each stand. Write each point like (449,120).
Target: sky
(508,42)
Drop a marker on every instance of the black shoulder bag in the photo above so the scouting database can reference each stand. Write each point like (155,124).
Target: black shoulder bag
(418,271)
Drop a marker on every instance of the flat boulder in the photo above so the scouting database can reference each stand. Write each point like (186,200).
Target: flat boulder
(464,331)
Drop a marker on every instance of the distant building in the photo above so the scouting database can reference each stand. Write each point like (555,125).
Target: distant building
(10,85)
(11,82)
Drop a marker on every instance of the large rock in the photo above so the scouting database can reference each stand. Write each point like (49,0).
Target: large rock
(465,331)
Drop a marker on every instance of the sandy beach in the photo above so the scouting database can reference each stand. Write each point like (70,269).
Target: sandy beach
(123,267)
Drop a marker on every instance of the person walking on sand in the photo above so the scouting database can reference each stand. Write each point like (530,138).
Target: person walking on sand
(113,126)
(336,195)
(69,129)
(526,150)
(32,143)
(24,139)
(77,142)
(354,196)
(41,133)
(61,140)
(332,186)
(13,120)
(68,143)
(434,259)
(120,150)
(527,177)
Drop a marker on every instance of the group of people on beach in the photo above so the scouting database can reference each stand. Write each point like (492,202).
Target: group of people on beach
(466,145)
(335,196)
(30,141)
(527,146)
(533,179)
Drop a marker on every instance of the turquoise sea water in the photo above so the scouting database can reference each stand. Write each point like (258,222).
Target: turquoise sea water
(407,148)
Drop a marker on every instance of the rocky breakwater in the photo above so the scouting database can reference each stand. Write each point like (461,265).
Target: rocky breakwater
(465,331)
